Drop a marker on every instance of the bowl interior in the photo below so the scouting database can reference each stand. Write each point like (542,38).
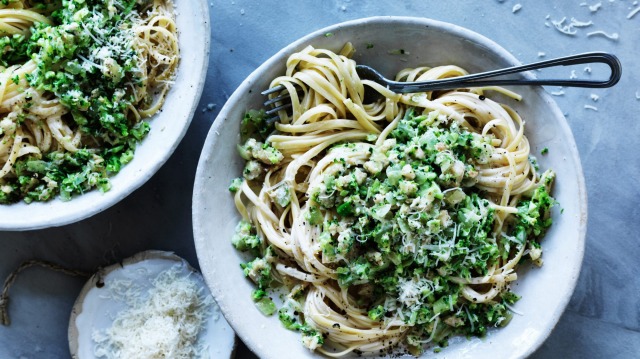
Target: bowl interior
(545,290)
(167,129)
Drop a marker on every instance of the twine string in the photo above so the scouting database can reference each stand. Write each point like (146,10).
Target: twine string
(4,297)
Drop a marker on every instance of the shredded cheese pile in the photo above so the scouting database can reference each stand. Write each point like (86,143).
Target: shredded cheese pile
(165,324)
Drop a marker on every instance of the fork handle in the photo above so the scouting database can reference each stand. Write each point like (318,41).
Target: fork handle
(475,80)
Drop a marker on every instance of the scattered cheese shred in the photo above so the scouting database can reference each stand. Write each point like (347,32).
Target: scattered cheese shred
(614,36)
(589,107)
(165,324)
(633,12)
(594,97)
(578,23)
(592,8)
(570,28)
(516,8)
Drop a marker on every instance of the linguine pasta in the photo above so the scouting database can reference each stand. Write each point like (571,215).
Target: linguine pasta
(394,222)
(77,80)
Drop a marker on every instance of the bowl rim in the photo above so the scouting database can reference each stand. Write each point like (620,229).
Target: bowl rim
(456,30)
(117,194)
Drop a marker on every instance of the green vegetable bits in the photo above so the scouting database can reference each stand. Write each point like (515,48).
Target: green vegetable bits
(409,226)
(88,61)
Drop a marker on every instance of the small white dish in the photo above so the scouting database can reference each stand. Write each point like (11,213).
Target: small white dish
(168,127)
(100,301)
(545,291)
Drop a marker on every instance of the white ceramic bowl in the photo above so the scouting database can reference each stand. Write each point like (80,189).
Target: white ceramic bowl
(545,291)
(167,129)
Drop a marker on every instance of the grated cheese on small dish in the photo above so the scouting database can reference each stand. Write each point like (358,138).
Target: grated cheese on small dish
(164,324)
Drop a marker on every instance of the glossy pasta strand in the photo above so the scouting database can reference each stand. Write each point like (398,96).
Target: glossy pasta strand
(329,110)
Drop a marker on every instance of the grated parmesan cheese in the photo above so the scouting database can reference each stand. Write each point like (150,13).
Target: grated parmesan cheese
(570,28)
(614,36)
(589,107)
(165,324)
(633,12)
(592,8)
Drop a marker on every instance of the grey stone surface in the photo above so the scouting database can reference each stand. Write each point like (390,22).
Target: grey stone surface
(603,317)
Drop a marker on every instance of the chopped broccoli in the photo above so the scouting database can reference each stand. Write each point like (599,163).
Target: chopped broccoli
(259,270)
(262,152)
(377,313)
(282,196)
(254,125)
(263,302)
(252,170)
(267,154)
(289,314)
(235,185)
(313,215)
(245,238)
(404,227)
(86,58)
(13,49)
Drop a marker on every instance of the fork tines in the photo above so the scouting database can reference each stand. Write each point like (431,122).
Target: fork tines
(270,104)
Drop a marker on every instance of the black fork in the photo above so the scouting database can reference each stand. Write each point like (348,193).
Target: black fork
(482,79)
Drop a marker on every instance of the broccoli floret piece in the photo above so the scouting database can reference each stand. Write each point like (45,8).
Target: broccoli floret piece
(267,154)
(327,246)
(408,188)
(377,313)
(533,214)
(246,150)
(289,314)
(314,216)
(311,338)
(445,303)
(281,196)
(263,152)
(255,125)
(357,272)
(510,297)
(346,209)
(259,270)
(245,238)
(252,170)
(263,302)
(13,49)
(235,185)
